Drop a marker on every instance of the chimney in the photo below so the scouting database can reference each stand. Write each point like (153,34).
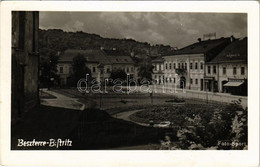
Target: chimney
(232,38)
(199,39)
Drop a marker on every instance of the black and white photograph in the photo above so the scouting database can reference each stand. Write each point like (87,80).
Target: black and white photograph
(160,81)
(131,81)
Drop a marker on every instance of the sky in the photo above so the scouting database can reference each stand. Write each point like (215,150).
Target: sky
(168,28)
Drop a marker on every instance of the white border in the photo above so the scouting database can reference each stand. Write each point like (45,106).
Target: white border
(132,158)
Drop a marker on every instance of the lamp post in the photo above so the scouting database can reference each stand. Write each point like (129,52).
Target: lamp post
(101,71)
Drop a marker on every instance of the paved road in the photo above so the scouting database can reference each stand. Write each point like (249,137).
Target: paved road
(126,116)
(62,101)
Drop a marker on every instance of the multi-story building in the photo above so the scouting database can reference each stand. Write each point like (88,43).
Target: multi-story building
(228,70)
(119,60)
(95,59)
(25,60)
(186,66)
(158,70)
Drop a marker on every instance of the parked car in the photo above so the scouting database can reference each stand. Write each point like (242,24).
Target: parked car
(165,124)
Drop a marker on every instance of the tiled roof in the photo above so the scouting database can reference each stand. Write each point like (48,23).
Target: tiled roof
(115,52)
(235,52)
(158,60)
(201,47)
(95,56)
(120,59)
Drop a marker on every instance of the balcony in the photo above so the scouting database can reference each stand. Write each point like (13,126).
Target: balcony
(180,71)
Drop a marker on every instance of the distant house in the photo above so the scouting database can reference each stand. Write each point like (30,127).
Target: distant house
(229,68)
(120,60)
(94,58)
(186,66)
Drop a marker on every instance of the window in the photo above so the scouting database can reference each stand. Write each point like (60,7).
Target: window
(190,65)
(108,70)
(214,70)
(170,79)
(185,66)
(61,69)
(173,80)
(70,70)
(182,65)
(191,81)
(166,66)
(127,69)
(161,66)
(94,69)
(234,70)
(242,70)
(170,66)
(179,65)
(157,67)
(174,66)
(201,66)
(196,66)
(209,69)
(196,81)
(224,70)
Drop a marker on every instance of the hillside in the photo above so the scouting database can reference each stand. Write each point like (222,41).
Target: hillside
(55,40)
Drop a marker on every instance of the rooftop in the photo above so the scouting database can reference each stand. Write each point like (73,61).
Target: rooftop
(201,46)
(235,52)
(95,56)
(159,59)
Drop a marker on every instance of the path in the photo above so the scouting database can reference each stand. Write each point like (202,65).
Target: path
(62,101)
(126,116)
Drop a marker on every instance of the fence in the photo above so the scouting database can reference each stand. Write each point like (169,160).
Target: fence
(184,93)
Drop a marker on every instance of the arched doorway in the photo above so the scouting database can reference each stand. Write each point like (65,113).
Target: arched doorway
(183,83)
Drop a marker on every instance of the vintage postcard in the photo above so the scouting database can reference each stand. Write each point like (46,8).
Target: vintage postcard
(133,83)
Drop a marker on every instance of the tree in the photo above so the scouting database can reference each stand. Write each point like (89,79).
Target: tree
(146,69)
(48,68)
(118,74)
(79,68)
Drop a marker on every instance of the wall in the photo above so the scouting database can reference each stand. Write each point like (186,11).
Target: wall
(220,76)
(25,60)
(185,61)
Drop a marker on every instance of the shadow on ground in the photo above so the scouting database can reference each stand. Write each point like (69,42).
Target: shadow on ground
(88,129)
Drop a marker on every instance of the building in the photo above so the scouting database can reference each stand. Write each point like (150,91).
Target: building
(25,61)
(109,60)
(120,60)
(228,70)
(158,70)
(186,66)
(93,58)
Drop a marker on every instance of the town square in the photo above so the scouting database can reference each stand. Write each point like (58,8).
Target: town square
(129,81)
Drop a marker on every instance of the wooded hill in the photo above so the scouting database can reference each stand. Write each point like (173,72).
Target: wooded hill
(54,40)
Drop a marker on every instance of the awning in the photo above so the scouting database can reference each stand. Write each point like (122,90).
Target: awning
(230,83)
